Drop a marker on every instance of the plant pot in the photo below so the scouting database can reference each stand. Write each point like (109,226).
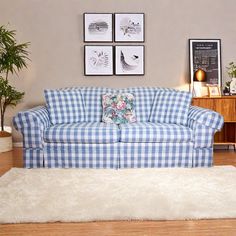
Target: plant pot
(5,141)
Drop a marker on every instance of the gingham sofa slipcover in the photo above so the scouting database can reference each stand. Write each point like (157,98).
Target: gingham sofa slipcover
(93,144)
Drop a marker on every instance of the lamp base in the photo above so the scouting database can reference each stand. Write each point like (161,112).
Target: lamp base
(200,89)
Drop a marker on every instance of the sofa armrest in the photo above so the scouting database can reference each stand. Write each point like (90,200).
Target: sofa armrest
(205,117)
(204,123)
(31,124)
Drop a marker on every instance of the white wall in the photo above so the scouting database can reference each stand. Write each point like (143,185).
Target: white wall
(55,30)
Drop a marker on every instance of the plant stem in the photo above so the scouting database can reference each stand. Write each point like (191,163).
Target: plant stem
(3,106)
(7,75)
(2,119)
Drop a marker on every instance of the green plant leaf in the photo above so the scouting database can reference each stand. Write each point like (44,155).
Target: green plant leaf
(231,70)
(13,58)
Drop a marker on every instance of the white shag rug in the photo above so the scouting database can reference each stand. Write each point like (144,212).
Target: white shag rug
(74,195)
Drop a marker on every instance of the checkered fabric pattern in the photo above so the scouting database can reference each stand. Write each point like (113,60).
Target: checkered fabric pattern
(32,124)
(202,157)
(150,155)
(86,132)
(143,100)
(33,157)
(92,97)
(81,155)
(205,117)
(65,106)
(204,124)
(171,107)
(146,132)
(203,136)
(143,144)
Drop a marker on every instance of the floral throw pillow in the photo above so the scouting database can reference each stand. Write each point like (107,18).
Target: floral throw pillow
(118,108)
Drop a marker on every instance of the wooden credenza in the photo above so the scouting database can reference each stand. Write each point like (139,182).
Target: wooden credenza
(226,106)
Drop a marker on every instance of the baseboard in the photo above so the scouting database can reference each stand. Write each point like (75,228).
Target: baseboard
(223,147)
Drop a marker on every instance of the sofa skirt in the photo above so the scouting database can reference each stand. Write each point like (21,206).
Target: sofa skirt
(151,155)
(203,157)
(33,157)
(60,155)
(118,155)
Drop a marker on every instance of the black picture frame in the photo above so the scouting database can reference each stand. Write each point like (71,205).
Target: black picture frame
(124,68)
(123,39)
(205,54)
(91,65)
(98,37)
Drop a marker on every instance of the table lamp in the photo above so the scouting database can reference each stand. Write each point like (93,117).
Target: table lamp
(199,83)
(200,75)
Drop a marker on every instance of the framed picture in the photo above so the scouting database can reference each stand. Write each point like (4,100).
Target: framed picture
(205,54)
(129,27)
(214,91)
(98,27)
(98,60)
(129,60)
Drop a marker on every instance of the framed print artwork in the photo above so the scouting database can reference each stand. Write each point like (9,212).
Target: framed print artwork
(98,27)
(214,91)
(98,60)
(129,27)
(129,60)
(205,56)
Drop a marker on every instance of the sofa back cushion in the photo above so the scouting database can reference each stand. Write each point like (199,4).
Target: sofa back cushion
(92,97)
(143,101)
(171,106)
(65,106)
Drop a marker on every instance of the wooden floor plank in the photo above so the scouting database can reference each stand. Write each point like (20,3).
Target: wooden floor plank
(135,228)
(114,228)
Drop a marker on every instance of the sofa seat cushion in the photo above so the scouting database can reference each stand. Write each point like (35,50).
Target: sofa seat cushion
(147,132)
(86,132)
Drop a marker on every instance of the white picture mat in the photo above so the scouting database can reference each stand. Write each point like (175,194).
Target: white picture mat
(92,54)
(129,52)
(136,18)
(91,18)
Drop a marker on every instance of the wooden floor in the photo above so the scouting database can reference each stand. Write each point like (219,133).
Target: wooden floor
(134,228)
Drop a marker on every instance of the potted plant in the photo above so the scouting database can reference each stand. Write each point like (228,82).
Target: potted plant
(232,74)
(13,58)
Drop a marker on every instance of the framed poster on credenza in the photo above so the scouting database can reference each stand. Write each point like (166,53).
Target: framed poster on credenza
(205,54)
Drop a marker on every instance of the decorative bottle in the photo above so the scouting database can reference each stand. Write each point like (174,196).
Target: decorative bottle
(233,86)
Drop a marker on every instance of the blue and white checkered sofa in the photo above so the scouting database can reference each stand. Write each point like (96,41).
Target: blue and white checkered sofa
(94,144)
